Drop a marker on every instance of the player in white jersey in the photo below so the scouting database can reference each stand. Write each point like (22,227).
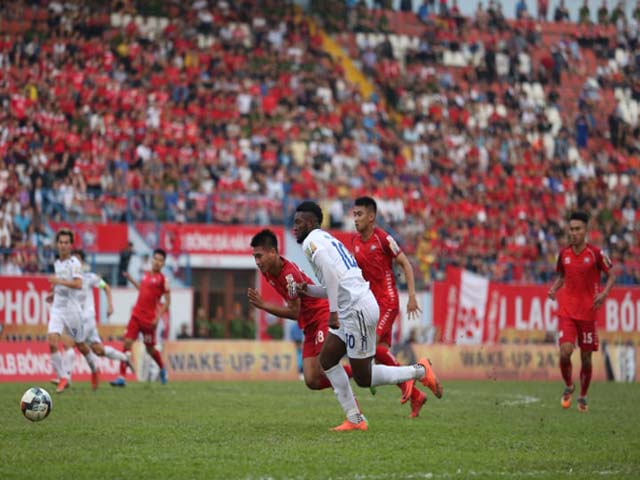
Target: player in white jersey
(66,308)
(89,334)
(353,318)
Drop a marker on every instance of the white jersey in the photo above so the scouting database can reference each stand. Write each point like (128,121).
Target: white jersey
(89,281)
(351,284)
(66,299)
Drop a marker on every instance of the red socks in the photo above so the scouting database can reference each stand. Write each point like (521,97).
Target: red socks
(123,366)
(585,379)
(155,354)
(565,368)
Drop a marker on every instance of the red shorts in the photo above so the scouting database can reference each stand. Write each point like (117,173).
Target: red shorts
(314,337)
(137,326)
(385,324)
(582,331)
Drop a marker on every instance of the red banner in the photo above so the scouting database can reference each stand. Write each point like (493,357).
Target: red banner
(204,239)
(517,307)
(97,237)
(31,362)
(23,300)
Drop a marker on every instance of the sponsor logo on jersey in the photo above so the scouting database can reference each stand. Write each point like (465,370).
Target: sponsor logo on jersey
(567,260)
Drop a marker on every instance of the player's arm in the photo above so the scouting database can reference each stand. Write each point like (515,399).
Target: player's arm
(131,280)
(107,291)
(331,281)
(601,296)
(290,310)
(75,283)
(317,291)
(413,309)
(557,285)
(164,306)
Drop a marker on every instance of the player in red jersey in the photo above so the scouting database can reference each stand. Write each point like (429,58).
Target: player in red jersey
(146,313)
(375,251)
(312,314)
(579,268)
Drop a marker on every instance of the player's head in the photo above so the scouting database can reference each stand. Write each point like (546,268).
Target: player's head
(265,250)
(157,260)
(578,222)
(364,213)
(64,242)
(79,254)
(308,217)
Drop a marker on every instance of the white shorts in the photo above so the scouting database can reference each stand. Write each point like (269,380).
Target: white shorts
(358,328)
(69,322)
(89,332)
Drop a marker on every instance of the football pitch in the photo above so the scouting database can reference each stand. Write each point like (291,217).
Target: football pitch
(279,430)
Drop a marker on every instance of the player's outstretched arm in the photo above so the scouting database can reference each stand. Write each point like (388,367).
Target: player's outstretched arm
(291,310)
(413,309)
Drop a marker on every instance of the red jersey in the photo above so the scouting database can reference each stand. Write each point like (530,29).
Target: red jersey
(311,309)
(581,281)
(152,287)
(375,259)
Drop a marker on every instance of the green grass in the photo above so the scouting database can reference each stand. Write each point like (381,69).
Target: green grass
(277,430)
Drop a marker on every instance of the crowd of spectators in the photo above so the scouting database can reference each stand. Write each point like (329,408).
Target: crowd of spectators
(226,111)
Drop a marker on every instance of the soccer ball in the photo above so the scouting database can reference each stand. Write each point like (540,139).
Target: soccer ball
(36,404)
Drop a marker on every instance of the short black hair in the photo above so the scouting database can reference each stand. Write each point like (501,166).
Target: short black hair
(79,253)
(366,202)
(265,239)
(311,207)
(160,251)
(579,215)
(64,232)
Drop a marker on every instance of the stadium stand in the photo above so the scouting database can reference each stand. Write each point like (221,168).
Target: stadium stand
(484,133)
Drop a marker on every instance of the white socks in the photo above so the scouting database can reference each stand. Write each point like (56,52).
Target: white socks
(91,360)
(387,375)
(114,354)
(68,357)
(56,363)
(342,388)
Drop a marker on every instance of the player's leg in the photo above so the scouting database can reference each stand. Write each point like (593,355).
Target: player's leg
(54,332)
(91,361)
(332,351)
(314,338)
(588,343)
(383,353)
(360,335)
(149,334)
(131,334)
(566,339)
(68,355)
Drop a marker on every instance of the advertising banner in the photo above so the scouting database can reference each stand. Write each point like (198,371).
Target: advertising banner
(204,239)
(468,309)
(231,360)
(499,362)
(23,300)
(31,362)
(97,237)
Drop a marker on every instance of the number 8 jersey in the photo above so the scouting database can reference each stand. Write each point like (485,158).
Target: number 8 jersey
(329,257)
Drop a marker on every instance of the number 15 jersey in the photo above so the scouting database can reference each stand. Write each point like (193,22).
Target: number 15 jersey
(351,284)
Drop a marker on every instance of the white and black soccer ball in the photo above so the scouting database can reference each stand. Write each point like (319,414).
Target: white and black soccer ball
(36,404)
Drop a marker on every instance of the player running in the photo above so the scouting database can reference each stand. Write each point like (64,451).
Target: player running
(66,308)
(579,268)
(90,334)
(375,251)
(353,318)
(312,314)
(146,314)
